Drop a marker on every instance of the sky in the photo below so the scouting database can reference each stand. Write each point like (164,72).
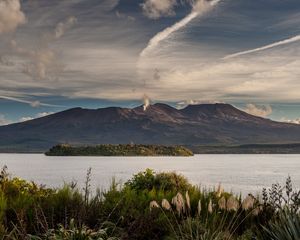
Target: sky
(60,54)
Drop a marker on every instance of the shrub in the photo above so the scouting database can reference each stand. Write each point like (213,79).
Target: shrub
(148,180)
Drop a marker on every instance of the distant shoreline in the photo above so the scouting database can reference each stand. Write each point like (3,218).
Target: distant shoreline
(292,148)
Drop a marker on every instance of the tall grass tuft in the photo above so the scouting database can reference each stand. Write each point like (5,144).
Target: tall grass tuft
(219,221)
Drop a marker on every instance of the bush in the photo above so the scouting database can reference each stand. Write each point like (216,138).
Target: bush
(150,206)
(149,180)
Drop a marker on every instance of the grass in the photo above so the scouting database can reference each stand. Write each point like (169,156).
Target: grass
(149,206)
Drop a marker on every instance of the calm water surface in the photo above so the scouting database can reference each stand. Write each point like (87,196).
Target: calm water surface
(237,173)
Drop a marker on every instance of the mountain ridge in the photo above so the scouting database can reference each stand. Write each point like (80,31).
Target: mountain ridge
(203,124)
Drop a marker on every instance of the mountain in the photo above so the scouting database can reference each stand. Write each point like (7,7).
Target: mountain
(205,124)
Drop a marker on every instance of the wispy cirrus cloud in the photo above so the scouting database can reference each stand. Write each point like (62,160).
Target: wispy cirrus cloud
(34,104)
(199,8)
(273,45)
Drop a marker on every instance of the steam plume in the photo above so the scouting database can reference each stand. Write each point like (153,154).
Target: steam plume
(146,101)
(283,42)
(200,7)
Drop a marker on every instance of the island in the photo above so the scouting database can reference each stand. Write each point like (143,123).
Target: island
(119,150)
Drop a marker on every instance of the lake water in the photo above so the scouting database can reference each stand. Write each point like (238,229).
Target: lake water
(237,173)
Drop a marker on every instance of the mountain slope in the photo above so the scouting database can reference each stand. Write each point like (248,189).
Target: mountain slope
(159,124)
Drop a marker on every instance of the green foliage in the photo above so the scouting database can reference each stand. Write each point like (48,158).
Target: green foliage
(280,197)
(83,233)
(72,232)
(119,150)
(177,210)
(285,226)
(149,180)
(208,220)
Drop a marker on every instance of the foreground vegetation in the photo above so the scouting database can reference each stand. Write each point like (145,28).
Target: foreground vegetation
(118,150)
(148,206)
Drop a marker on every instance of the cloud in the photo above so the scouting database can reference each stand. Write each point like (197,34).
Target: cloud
(39,63)
(260,111)
(5,61)
(124,16)
(25,119)
(268,77)
(186,103)
(34,104)
(294,121)
(44,64)
(39,115)
(11,15)
(43,61)
(3,120)
(155,9)
(62,27)
(200,8)
(273,45)
(100,60)
(43,114)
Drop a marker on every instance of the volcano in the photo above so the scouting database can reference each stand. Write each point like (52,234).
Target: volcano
(204,124)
